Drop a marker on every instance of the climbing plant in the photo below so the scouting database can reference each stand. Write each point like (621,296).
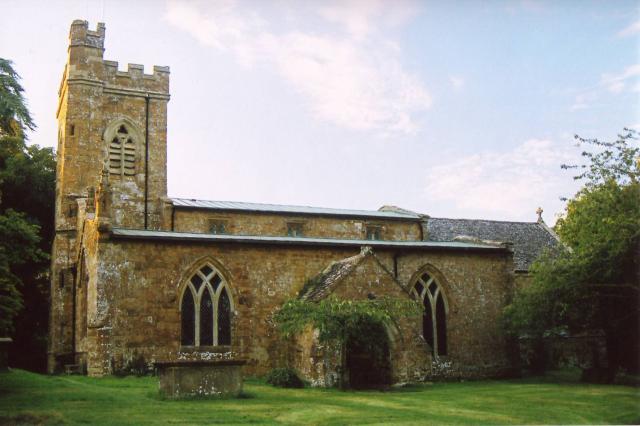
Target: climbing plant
(340,321)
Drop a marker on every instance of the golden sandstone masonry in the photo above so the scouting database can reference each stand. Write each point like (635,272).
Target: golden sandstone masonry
(139,277)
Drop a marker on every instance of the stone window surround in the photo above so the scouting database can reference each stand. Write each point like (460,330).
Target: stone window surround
(218,225)
(295,228)
(373,231)
(126,149)
(432,298)
(197,295)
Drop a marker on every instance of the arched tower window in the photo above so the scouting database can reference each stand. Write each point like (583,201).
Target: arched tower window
(122,152)
(434,321)
(205,310)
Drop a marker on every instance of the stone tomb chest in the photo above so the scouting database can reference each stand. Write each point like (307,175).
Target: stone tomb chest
(220,378)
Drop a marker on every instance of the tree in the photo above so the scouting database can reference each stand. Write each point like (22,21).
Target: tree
(18,249)
(27,190)
(592,282)
(14,114)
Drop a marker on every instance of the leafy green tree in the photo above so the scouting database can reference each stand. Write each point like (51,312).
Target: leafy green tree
(14,114)
(18,249)
(27,192)
(592,282)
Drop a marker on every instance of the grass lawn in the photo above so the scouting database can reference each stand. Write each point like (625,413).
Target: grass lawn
(32,398)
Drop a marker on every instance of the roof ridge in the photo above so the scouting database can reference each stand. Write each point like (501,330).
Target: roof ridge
(549,230)
(304,209)
(333,275)
(486,220)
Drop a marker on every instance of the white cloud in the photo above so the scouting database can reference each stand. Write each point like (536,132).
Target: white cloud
(632,29)
(457,82)
(583,101)
(615,83)
(353,78)
(509,184)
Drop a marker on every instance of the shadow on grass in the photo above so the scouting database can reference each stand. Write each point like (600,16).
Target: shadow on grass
(159,397)
(27,418)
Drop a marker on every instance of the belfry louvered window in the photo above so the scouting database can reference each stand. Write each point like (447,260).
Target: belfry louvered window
(122,153)
(205,310)
(434,321)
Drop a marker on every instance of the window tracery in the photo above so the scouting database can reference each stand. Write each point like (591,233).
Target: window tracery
(122,152)
(205,310)
(434,321)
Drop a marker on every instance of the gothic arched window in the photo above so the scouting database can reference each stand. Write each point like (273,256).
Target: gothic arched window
(205,310)
(122,152)
(434,321)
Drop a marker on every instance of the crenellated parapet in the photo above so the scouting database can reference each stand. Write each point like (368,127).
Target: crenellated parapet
(81,35)
(86,66)
(134,78)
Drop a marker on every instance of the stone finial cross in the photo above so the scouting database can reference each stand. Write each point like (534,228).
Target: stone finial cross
(539,213)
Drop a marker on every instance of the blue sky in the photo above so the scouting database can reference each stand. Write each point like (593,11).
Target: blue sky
(458,109)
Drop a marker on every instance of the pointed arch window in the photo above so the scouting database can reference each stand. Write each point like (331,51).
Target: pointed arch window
(205,310)
(122,152)
(434,321)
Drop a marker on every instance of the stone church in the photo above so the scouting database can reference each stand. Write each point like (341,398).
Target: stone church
(138,275)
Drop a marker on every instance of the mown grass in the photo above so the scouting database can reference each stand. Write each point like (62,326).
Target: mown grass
(32,399)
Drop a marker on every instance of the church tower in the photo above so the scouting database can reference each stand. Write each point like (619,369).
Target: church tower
(112,139)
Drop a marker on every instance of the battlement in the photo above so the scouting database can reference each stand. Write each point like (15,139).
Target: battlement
(133,70)
(87,66)
(135,77)
(81,35)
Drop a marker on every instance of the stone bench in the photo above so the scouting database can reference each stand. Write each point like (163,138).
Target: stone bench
(219,378)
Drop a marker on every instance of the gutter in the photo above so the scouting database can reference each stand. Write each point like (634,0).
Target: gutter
(186,237)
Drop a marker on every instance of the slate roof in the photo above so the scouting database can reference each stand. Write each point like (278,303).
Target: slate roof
(529,239)
(235,206)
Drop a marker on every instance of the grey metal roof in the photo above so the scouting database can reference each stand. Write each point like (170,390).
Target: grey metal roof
(529,239)
(296,241)
(301,210)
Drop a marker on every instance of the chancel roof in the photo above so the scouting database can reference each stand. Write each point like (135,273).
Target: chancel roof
(529,239)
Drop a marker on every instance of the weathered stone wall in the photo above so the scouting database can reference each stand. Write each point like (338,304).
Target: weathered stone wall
(410,358)
(522,280)
(93,95)
(188,220)
(139,283)
(477,286)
